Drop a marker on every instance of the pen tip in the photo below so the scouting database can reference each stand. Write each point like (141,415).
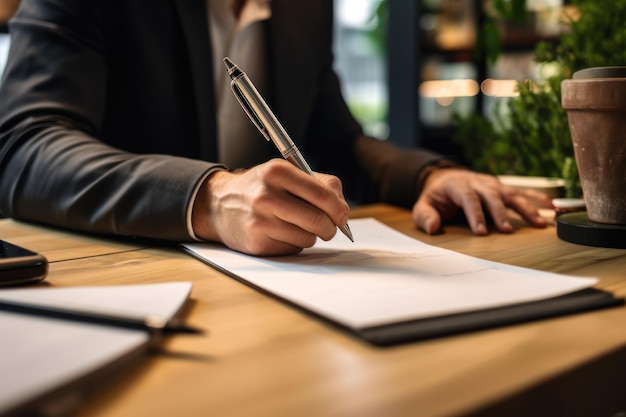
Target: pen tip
(346,231)
(229,64)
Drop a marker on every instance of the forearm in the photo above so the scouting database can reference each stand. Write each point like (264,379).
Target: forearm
(54,173)
(397,174)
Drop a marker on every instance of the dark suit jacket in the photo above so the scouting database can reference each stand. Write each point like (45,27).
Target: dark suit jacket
(107,113)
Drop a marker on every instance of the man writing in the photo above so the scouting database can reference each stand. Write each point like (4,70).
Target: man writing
(116,117)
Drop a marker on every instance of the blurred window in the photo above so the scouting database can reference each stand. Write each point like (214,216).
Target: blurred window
(360,63)
(4,50)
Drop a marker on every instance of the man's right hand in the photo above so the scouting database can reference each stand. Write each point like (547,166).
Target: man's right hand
(271,209)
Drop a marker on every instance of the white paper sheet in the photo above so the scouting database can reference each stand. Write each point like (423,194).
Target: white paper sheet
(386,277)
(39,354)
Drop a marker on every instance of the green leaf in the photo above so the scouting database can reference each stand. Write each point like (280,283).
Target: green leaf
(492,41)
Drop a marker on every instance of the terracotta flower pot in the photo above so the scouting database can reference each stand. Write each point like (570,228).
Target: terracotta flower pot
(595,101)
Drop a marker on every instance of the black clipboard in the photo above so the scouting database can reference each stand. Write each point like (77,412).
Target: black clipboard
(402,332)
(429,328)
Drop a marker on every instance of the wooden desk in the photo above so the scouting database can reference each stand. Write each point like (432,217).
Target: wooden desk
(263,358)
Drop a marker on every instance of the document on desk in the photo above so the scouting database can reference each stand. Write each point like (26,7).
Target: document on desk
(388,287)
(49,364)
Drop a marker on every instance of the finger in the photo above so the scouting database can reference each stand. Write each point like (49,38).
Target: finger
(526,209)
(272,248)
(322,191)
(270,236)
(470,201)
(526,203)
(537,198)
(341,215)
(288,239)
(306,217)
(494,204)
(327,195)
(499,199)
(426,217)
(332,182)
(299,222)
(288,196)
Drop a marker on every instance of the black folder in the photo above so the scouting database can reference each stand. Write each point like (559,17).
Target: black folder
(577,302)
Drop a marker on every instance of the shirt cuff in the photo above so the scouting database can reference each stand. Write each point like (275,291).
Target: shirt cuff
(192,199)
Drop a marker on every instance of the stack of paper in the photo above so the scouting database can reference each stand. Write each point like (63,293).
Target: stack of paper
(48,366)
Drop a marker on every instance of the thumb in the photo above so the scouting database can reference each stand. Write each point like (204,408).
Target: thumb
(426,217)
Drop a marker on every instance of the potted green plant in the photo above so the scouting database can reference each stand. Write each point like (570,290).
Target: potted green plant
(529,134)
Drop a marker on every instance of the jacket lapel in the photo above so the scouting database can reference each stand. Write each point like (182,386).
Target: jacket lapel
(285,65)
(193,20)
(298,34)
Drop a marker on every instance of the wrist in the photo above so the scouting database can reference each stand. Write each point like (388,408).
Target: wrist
(202,211)
(433,167)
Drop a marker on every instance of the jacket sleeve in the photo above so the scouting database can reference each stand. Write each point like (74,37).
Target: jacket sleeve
(53,167)
(397,174)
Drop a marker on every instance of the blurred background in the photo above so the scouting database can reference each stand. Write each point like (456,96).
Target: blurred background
(409,67)
(7,8)
(423,61)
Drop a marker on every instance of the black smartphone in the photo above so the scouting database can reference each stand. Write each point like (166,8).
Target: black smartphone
(20,266)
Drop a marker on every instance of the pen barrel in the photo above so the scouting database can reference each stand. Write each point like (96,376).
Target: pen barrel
(294,156)
(273,128)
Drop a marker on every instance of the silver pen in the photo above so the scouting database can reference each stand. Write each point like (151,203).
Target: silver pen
(264,119)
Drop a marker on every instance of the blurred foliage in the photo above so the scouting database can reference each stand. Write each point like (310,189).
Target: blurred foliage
(529,133)
(488,40)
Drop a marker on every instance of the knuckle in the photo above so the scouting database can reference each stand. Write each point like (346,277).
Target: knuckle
(323,193)
(274,168)
(261,200)
(334,182)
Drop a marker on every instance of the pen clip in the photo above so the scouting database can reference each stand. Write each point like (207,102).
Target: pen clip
(245,105)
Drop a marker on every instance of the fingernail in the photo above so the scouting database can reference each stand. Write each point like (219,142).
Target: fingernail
(506,226)
(481,228)
(428,226)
